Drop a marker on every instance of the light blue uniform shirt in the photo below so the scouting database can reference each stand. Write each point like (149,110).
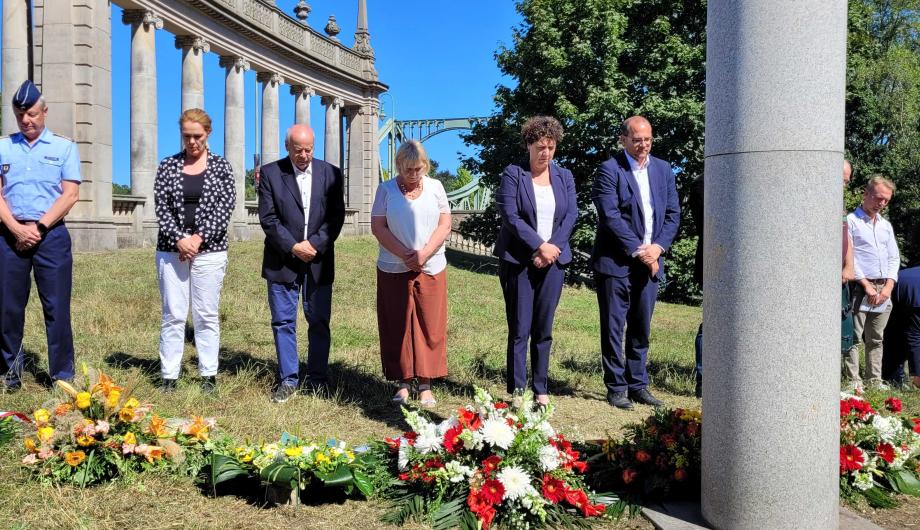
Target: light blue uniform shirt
(33,175)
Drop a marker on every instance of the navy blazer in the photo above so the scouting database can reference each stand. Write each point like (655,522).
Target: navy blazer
(518,238)
(282,219)
(620,223)
(907,290)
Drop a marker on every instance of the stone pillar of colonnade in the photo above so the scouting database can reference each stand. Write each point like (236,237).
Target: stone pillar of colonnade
(270,139)
(144,115)
(363,173)
(775,74)
(333,132)
(15,56)
(302,95)
(235,136)
(193,50)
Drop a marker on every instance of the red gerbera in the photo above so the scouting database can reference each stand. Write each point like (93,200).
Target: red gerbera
(916,425)
(469,419)
(851,459)
(452,441)
(893,404)
(577,498)
(492,491)
(885,452)
(553,489)
(845,407)
(501,405)
(489,465)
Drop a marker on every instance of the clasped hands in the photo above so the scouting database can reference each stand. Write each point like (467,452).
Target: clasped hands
(304,251)
(648,253)
(188,247)
(27,235)
(416,259)
(874,297)
(545,255)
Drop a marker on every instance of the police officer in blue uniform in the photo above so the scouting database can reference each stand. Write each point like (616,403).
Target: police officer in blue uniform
(40,183)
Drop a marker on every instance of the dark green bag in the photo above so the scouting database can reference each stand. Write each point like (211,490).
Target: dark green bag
(847,329)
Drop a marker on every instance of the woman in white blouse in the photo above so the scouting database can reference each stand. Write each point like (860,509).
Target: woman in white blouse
(538,207)
(411,221)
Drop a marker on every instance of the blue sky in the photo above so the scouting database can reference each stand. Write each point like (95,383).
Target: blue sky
(437,58)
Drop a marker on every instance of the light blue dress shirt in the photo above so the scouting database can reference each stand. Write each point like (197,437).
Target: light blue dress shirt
(33,175)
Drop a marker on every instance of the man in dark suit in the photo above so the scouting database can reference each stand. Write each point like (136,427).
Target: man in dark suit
(902,334)
(638,215)
(301,209)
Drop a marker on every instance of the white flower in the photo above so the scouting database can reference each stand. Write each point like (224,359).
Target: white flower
(549,458)
(516,482)
(458,472)
(403,456)
(863,481)
(547,429)
(497,433)
(447,424)
(428,441)
(887,427)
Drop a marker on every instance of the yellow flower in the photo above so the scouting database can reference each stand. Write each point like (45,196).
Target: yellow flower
(85,441)
(320,458)
(126,414)
(692,415)
(30,445)
(293,451)
(41,416)
(105,385)
(130,438)
(112,400)
(45,434)
(350,455)
(75,458)
(84,399)
(132,403)
(158,427)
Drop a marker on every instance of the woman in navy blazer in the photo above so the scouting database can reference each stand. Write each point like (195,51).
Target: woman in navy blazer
(537,204)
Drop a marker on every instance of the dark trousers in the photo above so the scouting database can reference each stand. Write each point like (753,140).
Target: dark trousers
(902,343)
(51,262)
(317,309)
(625,302)
(531,296)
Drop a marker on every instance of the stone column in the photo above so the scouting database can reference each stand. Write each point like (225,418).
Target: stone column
(774,142)
(235,136)
(193,50)
(15,56)
(333,134)
(270,139)
(302,96)
(144,112)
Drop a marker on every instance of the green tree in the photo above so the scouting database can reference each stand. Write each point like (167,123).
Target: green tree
(591,64)
(883,107)
(120,189)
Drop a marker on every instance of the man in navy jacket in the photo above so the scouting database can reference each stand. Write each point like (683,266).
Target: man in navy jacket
(638,213)
(301,209)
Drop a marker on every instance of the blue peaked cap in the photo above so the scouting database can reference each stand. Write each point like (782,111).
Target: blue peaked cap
(27,95)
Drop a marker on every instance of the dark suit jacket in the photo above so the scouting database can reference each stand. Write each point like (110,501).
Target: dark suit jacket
(620,223)
(282,219)
(518,238)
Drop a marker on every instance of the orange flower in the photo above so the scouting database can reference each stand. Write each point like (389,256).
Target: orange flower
(75,458)
(63,409)
(154,453)
(105,385)
(126,414)
(158,427)
(30,445)
(198,429)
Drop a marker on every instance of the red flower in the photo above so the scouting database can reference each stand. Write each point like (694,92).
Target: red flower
(643,456)
(680,475)
(486,516)
(593,510)
(469,419)
(553,489)
(916,425)
(579,466)
(404,476)
(452,441)
(862,407)
(481,508)
(851,459)
(410,437)
(489,465)
(893,404)
(501,405)
(577,498)
(885,452)
(393,443)
(629,475)
(845,407)
(693,428)
(492,491)
(669,441)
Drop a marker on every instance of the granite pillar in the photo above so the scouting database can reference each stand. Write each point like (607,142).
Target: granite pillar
(235,135)
(15,56)
(333,132)
(775,87)
(302,95)
(193,50)
(270,136)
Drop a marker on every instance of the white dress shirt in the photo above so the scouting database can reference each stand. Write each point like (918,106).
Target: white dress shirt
(645,194)
(305,184)
(875,250)
(546,210)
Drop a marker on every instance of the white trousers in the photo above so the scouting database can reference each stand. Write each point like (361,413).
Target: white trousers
(201,280)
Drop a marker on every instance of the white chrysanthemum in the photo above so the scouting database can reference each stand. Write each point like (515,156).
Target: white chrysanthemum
(516,482)
(549,458)
(458,472)
(447,424)
(428,441)
(476,442)
(863,481)
(547,429)
(887,427)
(497,433)
(403,455)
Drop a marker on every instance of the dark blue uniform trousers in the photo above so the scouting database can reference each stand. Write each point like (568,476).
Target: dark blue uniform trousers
(629,302)
(531,296)
(52,263)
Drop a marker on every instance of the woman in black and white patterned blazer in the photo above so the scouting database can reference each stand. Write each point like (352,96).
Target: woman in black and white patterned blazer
(194,196)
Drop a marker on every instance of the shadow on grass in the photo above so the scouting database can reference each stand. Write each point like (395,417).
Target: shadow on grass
(254,493)
(669,376)
(31,365)
(481,371)
(472,262)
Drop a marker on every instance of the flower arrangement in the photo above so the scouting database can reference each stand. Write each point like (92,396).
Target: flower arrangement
(657,458)
(100,432)
(294,464)
(9,426)
(490,464)
(879,451)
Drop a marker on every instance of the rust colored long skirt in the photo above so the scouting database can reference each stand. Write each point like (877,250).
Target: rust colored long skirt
(412,321)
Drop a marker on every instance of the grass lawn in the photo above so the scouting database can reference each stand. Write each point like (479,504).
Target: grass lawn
(116,315)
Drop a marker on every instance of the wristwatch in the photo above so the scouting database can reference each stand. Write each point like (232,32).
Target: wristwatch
(42,229)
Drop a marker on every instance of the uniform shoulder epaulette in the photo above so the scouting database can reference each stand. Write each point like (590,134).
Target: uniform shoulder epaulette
(62,136)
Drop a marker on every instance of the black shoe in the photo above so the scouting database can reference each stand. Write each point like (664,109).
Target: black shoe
(208,384)
(645,397)
(168,386)
(619,400)
(283,393)
(699,389)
